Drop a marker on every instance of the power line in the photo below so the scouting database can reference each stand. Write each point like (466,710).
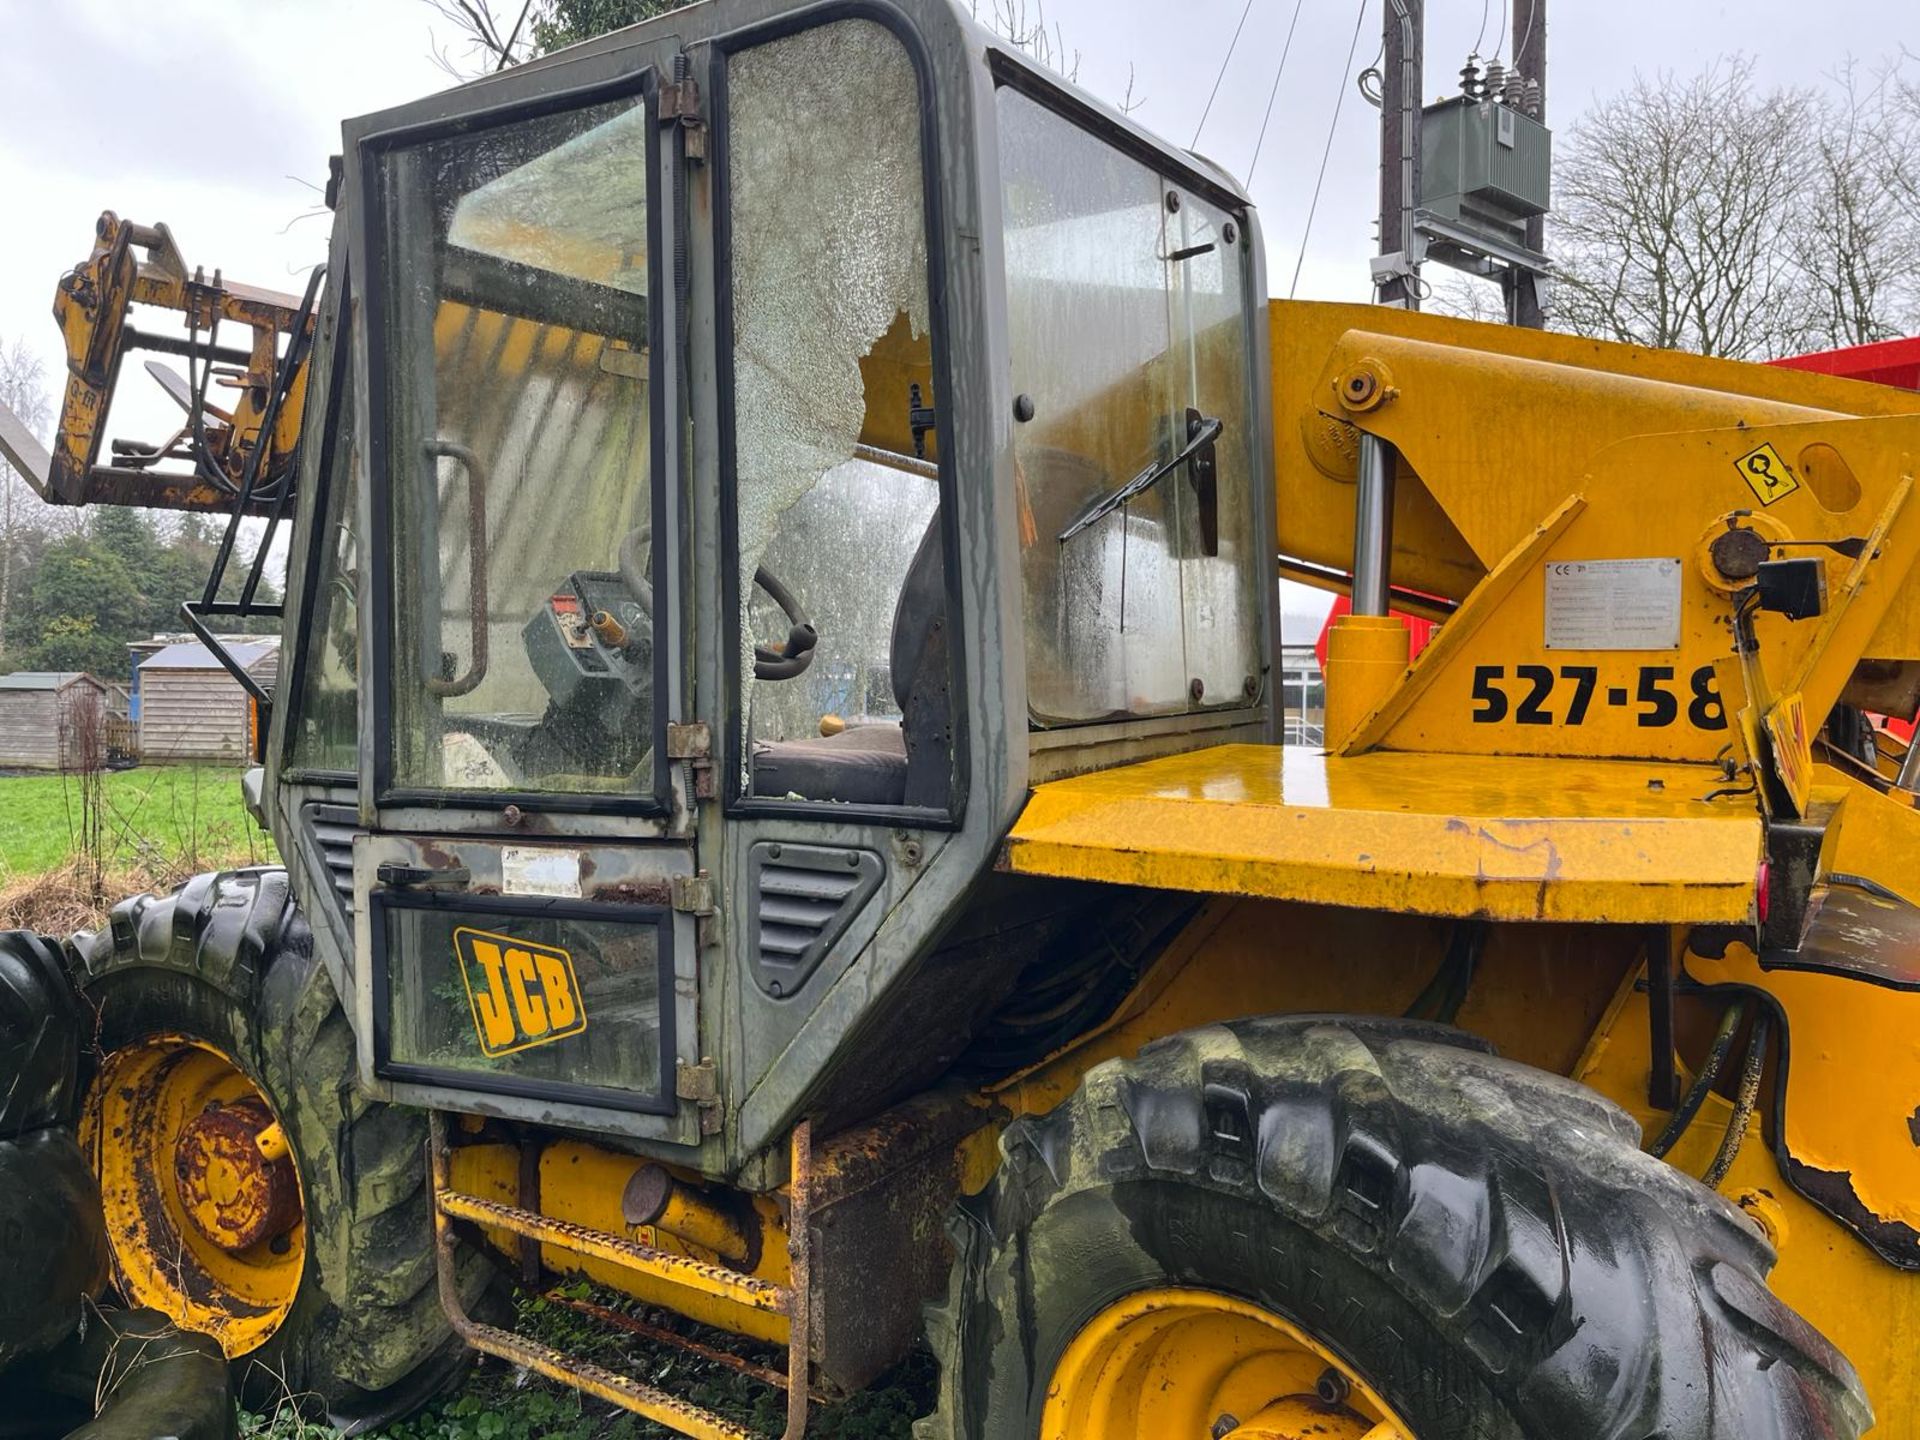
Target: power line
(1501,38)
(1285,50)
(1339,99)
(1483,27)
(1222,75)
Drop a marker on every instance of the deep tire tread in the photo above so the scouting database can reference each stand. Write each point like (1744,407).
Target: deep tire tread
(1591,1289)
(227,957)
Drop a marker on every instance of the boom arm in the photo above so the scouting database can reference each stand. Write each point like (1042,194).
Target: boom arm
(203,465)
(1575,499)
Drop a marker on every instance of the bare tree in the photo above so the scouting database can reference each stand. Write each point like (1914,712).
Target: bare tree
(1898,168)
(1672,207)
(1030,30)
(1856,235)
(22,390)
(484,38)
(487,35)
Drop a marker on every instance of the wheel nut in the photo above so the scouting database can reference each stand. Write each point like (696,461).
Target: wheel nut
(1332,1387)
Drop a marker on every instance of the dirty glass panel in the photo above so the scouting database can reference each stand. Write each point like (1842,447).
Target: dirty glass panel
(526,997)
(519,457)
(326,733)
(846,545)
(1219,568)
(1093,351)
(832,359)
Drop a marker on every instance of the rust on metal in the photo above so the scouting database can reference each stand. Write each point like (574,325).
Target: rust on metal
(793,1300)
(659,1334)
(881,1193)
(528,1183)
(597,1244)
(93,305)
(654,1198)
(799,1290)
(232,1192)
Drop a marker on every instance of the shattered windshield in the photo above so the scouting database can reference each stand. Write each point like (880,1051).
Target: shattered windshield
(843,660)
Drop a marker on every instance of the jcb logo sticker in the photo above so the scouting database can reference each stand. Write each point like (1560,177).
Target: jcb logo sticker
(1767,474)
(522,994)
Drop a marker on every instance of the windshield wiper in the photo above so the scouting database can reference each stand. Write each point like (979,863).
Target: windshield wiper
(1202,431)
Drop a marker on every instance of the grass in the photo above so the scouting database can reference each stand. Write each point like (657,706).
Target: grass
(157,817)
(160,825)
(498,1402)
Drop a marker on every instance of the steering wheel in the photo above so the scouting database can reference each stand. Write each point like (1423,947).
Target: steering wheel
(786,661)
(770,662)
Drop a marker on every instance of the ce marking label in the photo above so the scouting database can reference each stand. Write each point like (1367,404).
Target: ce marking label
(1542,696)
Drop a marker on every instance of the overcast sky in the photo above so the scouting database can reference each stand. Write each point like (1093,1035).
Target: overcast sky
(217,116)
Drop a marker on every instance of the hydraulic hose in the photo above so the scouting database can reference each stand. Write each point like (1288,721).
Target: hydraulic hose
(1703,1082)
(1743,1104)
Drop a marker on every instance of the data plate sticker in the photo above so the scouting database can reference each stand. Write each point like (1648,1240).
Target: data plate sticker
(525,870)
(1613,605)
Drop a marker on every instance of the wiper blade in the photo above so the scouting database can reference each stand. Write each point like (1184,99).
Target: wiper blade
(1202,431)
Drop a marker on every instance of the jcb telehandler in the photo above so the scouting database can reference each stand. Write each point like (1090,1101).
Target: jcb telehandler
(777,767)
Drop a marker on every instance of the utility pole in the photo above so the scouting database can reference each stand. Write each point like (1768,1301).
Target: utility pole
(1530,58)
(1396,276)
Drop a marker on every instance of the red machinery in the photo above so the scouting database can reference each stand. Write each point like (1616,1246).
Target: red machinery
(1885,362)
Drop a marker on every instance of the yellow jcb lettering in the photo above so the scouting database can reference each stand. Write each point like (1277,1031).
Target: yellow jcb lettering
(490,1005)
(526,1003)
(555,985)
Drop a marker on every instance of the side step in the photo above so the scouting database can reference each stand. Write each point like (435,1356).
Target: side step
(791,1300)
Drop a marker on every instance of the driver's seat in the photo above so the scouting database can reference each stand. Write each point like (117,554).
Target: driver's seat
(883,764)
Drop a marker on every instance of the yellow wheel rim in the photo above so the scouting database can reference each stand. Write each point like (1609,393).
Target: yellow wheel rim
(1191,1364)
(205,1214)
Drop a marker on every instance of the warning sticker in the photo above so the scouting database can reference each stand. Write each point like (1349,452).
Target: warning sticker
(1767,475)
(526,870)
(1613,604)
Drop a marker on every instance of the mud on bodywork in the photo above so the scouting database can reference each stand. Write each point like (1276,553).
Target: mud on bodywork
(227,961)
(120,1375)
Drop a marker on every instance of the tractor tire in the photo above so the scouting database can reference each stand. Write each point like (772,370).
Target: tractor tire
(226,965)
(1480,1244)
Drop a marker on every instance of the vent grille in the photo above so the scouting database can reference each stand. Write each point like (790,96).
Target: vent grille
(332,828)
(803,898)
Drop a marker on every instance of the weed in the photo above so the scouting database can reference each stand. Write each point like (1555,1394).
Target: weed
(501,1403)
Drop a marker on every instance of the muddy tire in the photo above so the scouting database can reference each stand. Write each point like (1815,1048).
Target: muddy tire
(1482,1243)
(228,961)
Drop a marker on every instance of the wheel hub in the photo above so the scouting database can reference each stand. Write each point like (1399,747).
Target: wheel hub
(234,1177)
(203,1203)
(1192,1363)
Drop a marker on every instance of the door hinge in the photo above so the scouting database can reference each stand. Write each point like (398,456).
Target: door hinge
(693,894)
(693,743)
(700,1084)
(680,105)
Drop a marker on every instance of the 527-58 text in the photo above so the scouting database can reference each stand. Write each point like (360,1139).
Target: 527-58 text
(1543,695)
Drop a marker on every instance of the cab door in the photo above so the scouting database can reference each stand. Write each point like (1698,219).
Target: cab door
(526,884)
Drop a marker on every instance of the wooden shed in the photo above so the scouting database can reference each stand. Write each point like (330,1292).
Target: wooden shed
(55,719)
(192,710)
